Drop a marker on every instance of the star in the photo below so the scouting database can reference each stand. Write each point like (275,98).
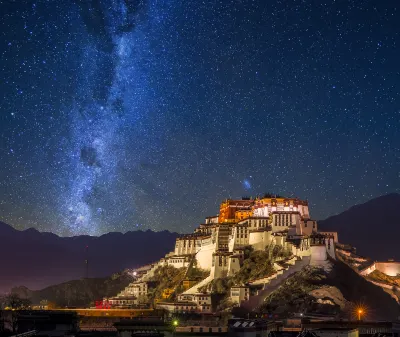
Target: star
(139,115)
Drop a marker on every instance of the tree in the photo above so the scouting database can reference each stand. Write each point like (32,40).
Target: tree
(14,303)
(143,299)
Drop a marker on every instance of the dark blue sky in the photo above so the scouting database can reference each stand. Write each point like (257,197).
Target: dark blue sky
(123,115)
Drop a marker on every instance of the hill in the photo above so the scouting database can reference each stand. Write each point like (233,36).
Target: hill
(336,292)
(77,293)
(373,227)
(37,260)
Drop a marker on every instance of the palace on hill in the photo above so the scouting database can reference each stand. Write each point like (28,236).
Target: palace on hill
(218,245)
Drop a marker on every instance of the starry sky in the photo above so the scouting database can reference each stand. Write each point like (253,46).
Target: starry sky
(119,115)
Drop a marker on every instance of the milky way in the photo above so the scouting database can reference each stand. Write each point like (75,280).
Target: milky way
(124,115)
(108,98)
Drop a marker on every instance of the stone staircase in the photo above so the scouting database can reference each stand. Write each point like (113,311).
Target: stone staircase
(256,301)
(148,274)
(195,289)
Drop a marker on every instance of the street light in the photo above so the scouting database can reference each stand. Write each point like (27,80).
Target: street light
(174,324)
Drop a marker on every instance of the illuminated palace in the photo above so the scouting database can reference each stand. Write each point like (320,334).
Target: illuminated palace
(218,247)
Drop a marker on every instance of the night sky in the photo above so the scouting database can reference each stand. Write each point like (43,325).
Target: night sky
(124,115)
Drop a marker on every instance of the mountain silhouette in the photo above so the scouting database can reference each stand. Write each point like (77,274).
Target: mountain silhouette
(373,227)
(37,260)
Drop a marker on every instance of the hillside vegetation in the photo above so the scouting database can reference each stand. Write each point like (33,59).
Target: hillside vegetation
(258,264)
(168,277)
(380,277)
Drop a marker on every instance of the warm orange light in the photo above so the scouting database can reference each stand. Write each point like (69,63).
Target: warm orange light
(360,312)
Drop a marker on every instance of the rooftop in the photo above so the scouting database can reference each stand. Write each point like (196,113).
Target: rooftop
(337,329)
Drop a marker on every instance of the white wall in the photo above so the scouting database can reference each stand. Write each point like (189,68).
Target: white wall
(177,262)
(318,253)
(239,294)
(220,270)
(213,219)
(261,211)
(388,268)
(256,239)
(368,270)
(233,265)
(303,250)
(204,256)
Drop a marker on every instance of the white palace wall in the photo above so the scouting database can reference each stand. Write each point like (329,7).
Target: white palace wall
(318,253)
(233,265)
(256,239)
(389,268)
(205,255)
(220,266)
(368,270)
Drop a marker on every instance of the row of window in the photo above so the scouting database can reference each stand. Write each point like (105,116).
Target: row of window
(181,308)
(209,330)
(221,262)
(133,291)
(283,219)
(313,224)
(176,261)
(123,302)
